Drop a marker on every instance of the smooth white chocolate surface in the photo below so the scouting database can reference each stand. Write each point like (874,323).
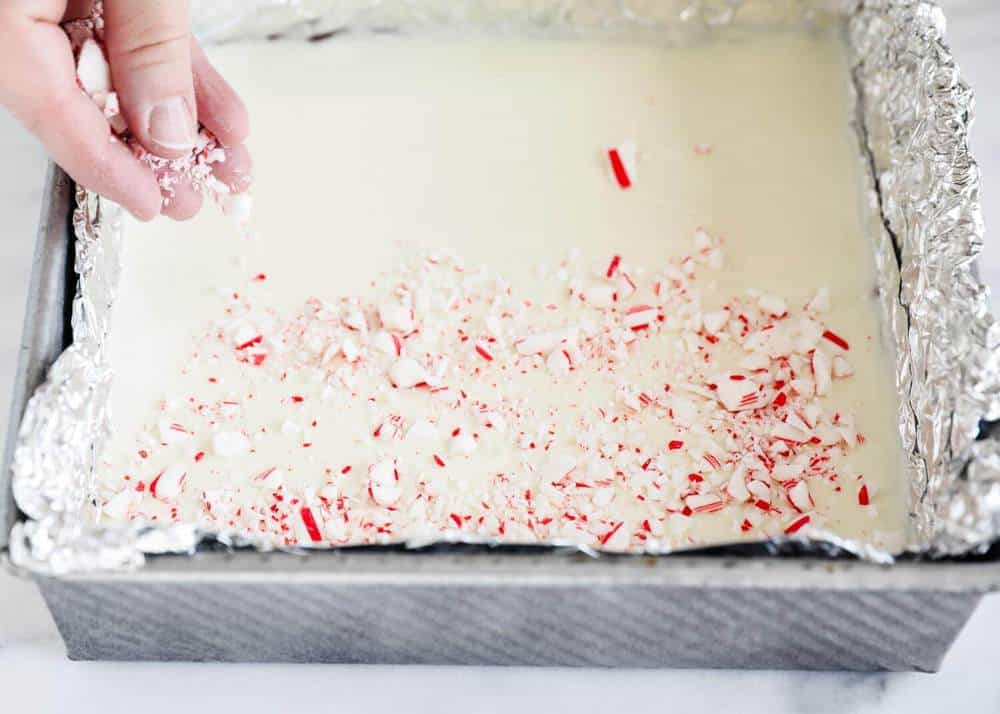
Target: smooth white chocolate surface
(474,175)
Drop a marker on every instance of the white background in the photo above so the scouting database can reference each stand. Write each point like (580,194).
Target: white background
(36,677)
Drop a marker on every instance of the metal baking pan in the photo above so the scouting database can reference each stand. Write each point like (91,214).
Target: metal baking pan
(742,607)
(476,605)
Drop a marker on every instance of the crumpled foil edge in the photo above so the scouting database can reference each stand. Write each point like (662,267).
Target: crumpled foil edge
(917,113)
(913,116)
(67,416)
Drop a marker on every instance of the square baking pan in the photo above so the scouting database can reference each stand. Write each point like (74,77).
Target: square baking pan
(755,607)
(479,605)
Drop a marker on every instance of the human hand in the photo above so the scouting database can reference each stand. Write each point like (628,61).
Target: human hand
(165,84)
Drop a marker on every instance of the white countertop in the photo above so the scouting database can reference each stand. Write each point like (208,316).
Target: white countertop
(35,674)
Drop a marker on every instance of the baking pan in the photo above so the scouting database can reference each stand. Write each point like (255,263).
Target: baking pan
(746,607)
(477,605)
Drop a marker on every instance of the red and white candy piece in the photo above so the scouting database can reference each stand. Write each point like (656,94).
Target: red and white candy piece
(799,497)
(169,484)
(406,373)
(787,433)
(842,368)
(704,502)
(349,348)
(737,485)
(397,317)
(172,432)
(272,478)
(640,317)
(383,482)
(738,392)
(820,302)
(463,443)
(92,70)
(623,159)
(558,363)
(715,321)
(797,524)
(822,368)
(772,305)
(308,518)
(616,538)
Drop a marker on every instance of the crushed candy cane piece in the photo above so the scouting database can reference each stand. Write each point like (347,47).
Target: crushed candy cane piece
(169,484)
(733,399)
(406,373)
(383,482)
(92,69)
(230,443)
(623,163)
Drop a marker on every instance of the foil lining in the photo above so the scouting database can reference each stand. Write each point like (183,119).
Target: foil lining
(913,114)
(916,114)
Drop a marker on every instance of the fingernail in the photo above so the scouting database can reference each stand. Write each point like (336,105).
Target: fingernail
(171,125)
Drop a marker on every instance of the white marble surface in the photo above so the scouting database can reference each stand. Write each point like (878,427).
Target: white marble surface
(35,675)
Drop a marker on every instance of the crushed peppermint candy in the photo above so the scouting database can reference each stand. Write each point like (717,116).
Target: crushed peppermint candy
(623,162)
(670,420)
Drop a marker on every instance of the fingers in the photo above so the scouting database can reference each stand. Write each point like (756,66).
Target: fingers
(149,49)
(183,203)
(38,85)
(79,139)
(219,107)
(235,170)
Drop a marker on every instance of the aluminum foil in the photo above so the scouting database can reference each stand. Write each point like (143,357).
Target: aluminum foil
(916,113)
(913,114)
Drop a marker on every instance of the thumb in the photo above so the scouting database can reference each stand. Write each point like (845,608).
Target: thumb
(149,50)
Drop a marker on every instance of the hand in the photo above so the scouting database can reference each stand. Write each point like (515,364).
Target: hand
(165,84)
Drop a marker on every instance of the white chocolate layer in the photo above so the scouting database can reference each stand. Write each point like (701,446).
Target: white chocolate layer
(490,156)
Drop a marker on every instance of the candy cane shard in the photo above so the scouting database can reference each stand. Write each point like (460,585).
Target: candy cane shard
(640,317)
(406,373)
(822,368)
(92,70)
(383,482)
(797,524)
(623,163)
(397,317)
(558,363)
(842,368)
(169,484)
(309,520)
(704,503)
(738,392)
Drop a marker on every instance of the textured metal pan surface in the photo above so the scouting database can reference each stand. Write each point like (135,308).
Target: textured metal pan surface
(512,610)
(639,627)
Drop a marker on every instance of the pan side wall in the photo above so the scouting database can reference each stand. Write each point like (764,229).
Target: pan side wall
(510,624)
